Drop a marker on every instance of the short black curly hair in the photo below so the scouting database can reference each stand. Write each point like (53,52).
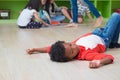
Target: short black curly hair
(57,52)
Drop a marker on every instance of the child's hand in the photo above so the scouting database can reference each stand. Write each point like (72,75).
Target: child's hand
(95,64)
(45,24)
(30,51)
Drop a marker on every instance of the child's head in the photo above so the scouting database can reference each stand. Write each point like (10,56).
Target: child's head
(51,1)
(43,2)
(62,51)
(35,4)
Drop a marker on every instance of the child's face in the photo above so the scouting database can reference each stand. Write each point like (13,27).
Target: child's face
(43,2)
(51,1)
(71,50)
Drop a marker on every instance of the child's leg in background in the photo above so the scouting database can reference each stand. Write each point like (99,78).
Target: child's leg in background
(58,18)
(34,25)
(74,10)
(92,8)
(65,12)
(95,12)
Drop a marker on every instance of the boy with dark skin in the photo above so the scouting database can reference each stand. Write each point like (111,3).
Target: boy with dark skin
(90,47)
(71,51)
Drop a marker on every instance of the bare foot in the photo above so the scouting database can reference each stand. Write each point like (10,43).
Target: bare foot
(98,21)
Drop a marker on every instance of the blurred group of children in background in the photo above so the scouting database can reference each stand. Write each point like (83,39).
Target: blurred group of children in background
(38,13)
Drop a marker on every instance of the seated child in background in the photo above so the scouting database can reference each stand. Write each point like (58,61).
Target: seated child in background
(57,13)
(45,17)
(30,11)
(89,47)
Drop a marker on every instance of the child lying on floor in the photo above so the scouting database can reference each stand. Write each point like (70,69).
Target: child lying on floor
(89,47)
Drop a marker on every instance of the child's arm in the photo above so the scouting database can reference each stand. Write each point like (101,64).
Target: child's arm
(99,63)
(48,17)
(39,19)
(90,16)
(41,50)
(97,59)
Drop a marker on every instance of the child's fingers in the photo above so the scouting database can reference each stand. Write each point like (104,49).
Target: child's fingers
(91,65)
(28,51)
(94,64)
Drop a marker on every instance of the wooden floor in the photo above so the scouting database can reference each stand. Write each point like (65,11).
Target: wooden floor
(16,64)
